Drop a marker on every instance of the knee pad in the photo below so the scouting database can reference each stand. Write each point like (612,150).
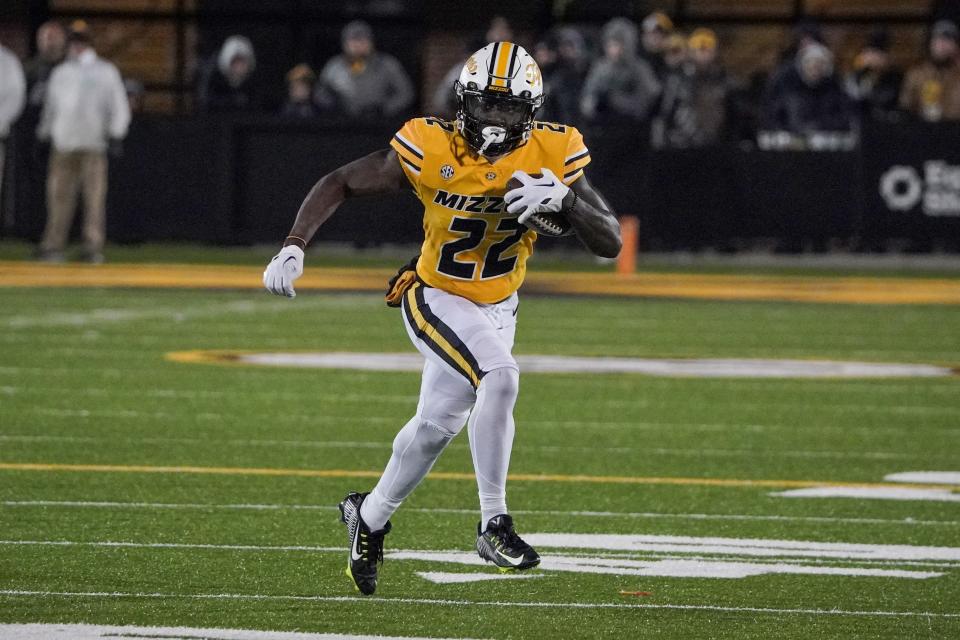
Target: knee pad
(423,437)
(503,382)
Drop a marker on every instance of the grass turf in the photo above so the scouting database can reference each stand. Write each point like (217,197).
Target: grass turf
(83,380)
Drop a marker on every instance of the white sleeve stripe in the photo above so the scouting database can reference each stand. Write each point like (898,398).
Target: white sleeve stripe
(575,155)
(573,176)
(410,145)
(414,168)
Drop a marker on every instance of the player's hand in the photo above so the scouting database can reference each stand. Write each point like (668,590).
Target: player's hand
(536,195)
(285,267)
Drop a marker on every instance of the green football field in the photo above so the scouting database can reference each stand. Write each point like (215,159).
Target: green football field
(136,489)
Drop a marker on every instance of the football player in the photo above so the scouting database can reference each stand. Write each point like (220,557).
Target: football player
(458,297)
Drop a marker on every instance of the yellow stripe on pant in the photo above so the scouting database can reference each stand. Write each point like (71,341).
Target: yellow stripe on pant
(431,331)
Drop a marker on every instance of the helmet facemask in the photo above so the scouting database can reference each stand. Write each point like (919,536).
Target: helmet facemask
(494,123)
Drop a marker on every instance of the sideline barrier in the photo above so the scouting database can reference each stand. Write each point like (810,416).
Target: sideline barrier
(236,181)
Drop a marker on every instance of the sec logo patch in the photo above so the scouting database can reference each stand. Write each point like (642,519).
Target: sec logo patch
(446,172)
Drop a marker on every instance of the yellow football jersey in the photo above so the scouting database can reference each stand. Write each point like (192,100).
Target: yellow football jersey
(472,247)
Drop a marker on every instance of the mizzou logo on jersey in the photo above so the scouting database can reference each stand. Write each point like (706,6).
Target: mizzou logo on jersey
(468,204)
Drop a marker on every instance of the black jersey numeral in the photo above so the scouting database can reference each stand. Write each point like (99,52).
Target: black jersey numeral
(550,126)
(493,266)
(476,230)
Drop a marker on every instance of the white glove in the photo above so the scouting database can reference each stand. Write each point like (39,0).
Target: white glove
(537,195)
(285,267)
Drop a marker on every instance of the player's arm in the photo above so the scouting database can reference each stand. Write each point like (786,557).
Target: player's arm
(592,218)
(378,172)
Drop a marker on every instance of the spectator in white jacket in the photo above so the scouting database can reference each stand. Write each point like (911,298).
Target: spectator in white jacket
(13,91)
(85,114)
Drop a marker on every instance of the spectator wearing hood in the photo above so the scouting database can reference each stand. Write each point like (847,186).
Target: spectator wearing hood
(619,85)
(226,82)
(13,92)
(85,113)
(693,111)
(443,102)
(362,82)
(810,98)
(874,83)
(563,79)
(931,90)
(805,33)
(656,30)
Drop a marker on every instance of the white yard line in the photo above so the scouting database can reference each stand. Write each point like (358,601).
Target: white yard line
(409,402)
(650,552)
(930,477)
(635,403)
(57,631)
(181,313)
(355,444)
(468,603)
(92,504)
(907,494)
(670,367)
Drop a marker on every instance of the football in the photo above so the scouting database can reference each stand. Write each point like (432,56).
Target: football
(547,224)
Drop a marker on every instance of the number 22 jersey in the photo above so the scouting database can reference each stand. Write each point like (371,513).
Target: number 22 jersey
(472,247)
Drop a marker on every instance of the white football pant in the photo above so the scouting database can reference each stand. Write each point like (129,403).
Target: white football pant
(469,365)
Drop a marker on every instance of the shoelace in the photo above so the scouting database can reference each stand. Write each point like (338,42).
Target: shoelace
(510,537)
(374,541)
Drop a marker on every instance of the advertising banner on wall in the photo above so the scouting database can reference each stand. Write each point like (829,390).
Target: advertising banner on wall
(912,182)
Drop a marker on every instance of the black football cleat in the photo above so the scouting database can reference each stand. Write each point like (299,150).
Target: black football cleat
(366,547)
(501,545)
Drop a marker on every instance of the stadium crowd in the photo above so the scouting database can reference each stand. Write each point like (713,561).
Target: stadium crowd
(672,85)
(652,74)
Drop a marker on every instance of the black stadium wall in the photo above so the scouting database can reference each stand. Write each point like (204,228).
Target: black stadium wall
(241,181)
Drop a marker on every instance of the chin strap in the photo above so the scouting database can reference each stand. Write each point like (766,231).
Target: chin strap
(492,135)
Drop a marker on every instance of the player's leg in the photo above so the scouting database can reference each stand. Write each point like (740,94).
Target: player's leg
(491,430)
(446,397)
(491,426)
(445,402)
(476,342)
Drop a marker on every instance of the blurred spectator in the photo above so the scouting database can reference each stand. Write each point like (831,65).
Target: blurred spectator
(499,30)
(13,91)
(299,103)
(545,53)
(696,90)
(563,80)
(656,30)
(443,102)
(675,53)
(51,48)
(747,98)
(619,84)
(805,33)
(226,81)
(85,114)
(874,84)
(135,94)
(809,98)
(676,89)
(362,82)
(931,90)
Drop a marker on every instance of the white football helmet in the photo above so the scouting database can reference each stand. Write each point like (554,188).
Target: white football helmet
(499,91)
